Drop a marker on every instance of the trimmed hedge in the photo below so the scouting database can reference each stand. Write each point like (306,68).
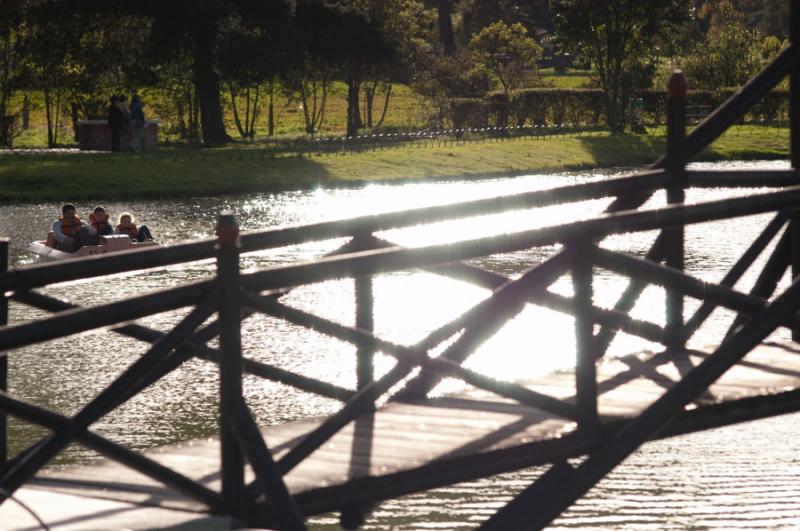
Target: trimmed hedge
(585,106)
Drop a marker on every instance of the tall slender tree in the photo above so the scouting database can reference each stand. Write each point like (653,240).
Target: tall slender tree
(622,39)
(192,27)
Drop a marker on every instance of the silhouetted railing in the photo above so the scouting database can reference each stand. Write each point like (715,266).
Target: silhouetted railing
(232,296)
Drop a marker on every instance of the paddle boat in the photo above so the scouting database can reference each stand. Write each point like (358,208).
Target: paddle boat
(45,249)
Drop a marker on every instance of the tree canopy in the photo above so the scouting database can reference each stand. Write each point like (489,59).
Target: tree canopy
(209,59)
(623,38)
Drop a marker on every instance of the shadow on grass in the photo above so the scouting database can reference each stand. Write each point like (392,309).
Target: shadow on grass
(82,179)
(624,149)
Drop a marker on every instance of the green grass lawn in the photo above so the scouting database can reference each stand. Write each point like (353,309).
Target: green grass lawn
(569,79)
(229,171)
(407,111)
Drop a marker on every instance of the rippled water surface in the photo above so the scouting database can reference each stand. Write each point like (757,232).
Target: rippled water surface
(737,477)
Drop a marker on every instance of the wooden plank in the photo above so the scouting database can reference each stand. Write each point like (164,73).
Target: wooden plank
(401,437)
(74,512)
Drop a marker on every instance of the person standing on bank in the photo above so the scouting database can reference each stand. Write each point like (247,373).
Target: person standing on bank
(115,117)
(125,129)
(137,123)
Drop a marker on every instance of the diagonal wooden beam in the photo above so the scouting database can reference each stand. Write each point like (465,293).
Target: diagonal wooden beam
(412,355)
(560,486)
(734,274)
(504,303)
(686,284)
(15,476)
(112,450)
(196,347)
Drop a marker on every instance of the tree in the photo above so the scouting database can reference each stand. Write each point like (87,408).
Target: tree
(188,27)
(444,9)
(507,52)
(728,57)
(351,37)
(247,59)
(623,39)
(12,33)
(477,14)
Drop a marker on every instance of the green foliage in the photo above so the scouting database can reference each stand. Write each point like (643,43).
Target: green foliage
(507,53)
(623,39)
(727,58)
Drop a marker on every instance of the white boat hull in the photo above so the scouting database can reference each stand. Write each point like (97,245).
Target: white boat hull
(109,244)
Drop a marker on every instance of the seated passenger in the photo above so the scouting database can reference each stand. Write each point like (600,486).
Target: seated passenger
(99,220)
(70,232)
(127,226)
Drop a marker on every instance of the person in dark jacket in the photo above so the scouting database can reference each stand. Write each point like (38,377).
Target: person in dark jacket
(137,123)
(115,117)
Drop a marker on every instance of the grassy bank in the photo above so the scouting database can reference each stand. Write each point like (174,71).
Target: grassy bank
(231,171)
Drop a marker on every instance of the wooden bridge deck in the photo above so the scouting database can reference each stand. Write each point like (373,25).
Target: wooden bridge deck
(406,447)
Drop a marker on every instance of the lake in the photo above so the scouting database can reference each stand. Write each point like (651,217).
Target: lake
(742,476)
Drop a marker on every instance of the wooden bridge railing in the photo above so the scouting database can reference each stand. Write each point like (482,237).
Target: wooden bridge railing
(233,296)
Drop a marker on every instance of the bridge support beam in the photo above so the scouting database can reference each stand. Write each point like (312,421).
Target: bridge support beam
(230,342)
(3,358)
(794,135)
(676,165)
(365,302)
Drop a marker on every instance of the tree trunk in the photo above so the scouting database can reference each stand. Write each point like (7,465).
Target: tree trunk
(251,129)
(74,115)
(445,19)
(207,85)
(5,92)
(271,116)
(385,105)
(26,112)
(236,119)
(49,118)
(352,107)
(369,99)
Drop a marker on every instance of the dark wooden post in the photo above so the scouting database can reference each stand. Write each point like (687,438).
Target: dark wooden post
(365,305)
(585,354)
(230,341)
(794,136)
(676,165)
(3,359)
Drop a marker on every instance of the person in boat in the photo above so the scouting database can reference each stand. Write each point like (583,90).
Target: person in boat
(70,232)
(99,221)
(127,225)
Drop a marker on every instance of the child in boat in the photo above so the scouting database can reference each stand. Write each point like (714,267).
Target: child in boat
(127,225)
(99,221)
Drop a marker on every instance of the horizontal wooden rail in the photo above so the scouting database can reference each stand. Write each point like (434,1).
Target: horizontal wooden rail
(14,476)
(37,275)
(414,356)
(196,347)
(389,260)
(618,320)
(735,273)
(685,284)
(537,499)
(83,319)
